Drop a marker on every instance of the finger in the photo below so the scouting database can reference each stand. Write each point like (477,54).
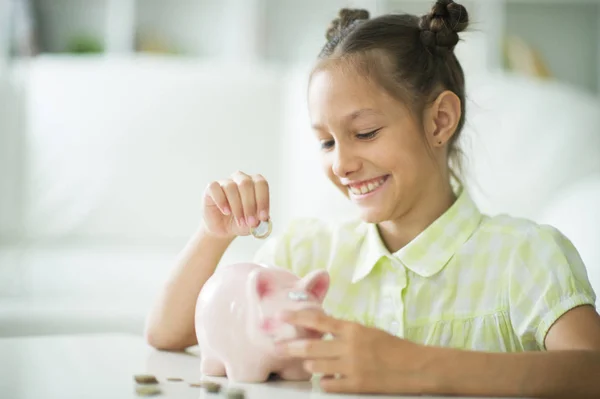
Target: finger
(215,192)
(261,188)
(312,348)
(233,197)
(326,367)
(313,319)
(246,190)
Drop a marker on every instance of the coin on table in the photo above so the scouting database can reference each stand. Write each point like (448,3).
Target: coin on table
(263,230)
(147,390)
(145,379)
(212,387)
(201,384)
(235,393)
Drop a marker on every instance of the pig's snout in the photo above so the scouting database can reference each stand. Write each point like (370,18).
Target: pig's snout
(285,332)
(288,332)
(279,330)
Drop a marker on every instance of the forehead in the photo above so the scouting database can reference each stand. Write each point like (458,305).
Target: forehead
(335,90)
(336,81)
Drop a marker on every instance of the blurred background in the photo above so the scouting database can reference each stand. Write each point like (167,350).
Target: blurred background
(115,114)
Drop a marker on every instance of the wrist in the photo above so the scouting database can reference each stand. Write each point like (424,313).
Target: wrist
(431,367)
(203,233)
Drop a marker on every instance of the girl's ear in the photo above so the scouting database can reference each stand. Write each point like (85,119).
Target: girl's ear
(441,119)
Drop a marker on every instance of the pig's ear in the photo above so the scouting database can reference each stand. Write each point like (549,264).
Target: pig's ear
(316,283)
(262,283)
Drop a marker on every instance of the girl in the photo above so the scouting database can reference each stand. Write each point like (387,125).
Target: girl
(427,296)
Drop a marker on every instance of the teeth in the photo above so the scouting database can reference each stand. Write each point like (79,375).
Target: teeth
(366,188)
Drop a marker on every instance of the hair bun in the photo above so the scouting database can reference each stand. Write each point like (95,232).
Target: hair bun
(439,28)
(440,9)
(346,17)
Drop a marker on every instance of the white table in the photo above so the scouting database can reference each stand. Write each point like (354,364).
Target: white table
(102,366)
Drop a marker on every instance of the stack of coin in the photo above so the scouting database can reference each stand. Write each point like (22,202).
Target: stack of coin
(148,385)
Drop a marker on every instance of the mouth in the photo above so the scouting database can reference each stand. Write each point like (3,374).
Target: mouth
(367,187)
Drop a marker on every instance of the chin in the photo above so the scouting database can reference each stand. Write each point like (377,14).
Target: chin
(372,215)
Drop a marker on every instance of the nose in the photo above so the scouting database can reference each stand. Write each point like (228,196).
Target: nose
(345,161)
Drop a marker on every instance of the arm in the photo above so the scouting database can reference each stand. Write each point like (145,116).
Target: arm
(231,207)
(554,374)
(170,324)
(570,368)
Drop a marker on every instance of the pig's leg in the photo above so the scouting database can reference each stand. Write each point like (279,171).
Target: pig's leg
(294,372)
(211,366)
(248,372)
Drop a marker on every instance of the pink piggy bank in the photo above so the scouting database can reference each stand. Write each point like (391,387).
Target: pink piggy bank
(235,323)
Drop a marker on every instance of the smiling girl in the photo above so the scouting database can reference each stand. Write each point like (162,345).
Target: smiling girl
(428,295)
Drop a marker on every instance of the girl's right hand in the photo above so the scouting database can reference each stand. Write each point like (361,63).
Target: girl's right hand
(232,206)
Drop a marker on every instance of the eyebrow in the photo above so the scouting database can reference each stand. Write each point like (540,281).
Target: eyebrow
(353,115)
(360,112)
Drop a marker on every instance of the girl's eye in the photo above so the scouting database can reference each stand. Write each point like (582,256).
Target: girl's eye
(325,145)
(366,136)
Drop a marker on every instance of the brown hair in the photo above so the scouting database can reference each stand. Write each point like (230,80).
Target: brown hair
(418,60)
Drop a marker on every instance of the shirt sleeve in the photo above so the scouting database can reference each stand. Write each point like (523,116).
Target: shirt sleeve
(274,252)
(546,279)
(301,247)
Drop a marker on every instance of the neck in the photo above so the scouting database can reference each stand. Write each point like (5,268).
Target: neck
(433,203)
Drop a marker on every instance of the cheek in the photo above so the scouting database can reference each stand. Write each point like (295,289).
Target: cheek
(406,155)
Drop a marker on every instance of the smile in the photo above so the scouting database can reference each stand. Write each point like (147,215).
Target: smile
(367,186)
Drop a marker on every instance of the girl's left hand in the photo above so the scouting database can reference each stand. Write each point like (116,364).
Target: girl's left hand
(357,359)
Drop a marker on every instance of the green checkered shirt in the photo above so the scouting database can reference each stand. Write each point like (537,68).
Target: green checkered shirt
(468,281)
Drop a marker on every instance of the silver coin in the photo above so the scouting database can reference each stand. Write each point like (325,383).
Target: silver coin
(298,296)
(263,230)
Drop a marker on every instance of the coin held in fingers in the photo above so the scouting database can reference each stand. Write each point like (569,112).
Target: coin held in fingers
(263,230)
